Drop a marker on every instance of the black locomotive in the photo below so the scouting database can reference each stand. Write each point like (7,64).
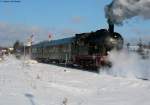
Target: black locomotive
(87,50)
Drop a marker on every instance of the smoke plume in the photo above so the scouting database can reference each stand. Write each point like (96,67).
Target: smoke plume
(119,10)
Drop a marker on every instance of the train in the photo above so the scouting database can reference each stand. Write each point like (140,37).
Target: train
(85,50)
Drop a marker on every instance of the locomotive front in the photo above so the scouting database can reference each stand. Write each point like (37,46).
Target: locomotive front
(92,48)
(114,40)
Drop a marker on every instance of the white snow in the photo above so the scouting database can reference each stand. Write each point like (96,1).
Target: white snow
(44,84)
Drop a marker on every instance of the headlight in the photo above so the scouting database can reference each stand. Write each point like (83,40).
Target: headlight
(113,41)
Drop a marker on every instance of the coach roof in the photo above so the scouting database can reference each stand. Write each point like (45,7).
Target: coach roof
(55,42)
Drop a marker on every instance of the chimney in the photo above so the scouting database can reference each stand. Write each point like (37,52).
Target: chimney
(111,26)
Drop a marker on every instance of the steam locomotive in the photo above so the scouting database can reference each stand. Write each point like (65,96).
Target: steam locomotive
(86,50)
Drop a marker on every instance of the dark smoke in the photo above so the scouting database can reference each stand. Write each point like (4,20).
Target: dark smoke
(119,10)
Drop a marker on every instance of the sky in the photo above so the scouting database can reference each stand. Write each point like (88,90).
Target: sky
(61,18)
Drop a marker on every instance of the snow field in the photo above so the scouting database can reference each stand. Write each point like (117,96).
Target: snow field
(43,84)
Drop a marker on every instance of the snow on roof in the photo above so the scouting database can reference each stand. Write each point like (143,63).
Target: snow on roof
(55,42)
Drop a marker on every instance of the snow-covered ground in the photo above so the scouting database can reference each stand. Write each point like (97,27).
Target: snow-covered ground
(42,84)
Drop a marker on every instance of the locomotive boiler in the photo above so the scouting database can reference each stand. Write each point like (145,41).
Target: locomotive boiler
(86,50)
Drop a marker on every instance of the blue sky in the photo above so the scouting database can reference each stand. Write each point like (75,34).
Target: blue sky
(61,18)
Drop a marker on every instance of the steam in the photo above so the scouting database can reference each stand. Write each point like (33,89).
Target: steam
(119,10)
(128,64)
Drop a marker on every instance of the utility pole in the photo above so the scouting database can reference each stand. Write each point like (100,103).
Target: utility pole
(30,41)
(30,52)
(24,53)
(66,60)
